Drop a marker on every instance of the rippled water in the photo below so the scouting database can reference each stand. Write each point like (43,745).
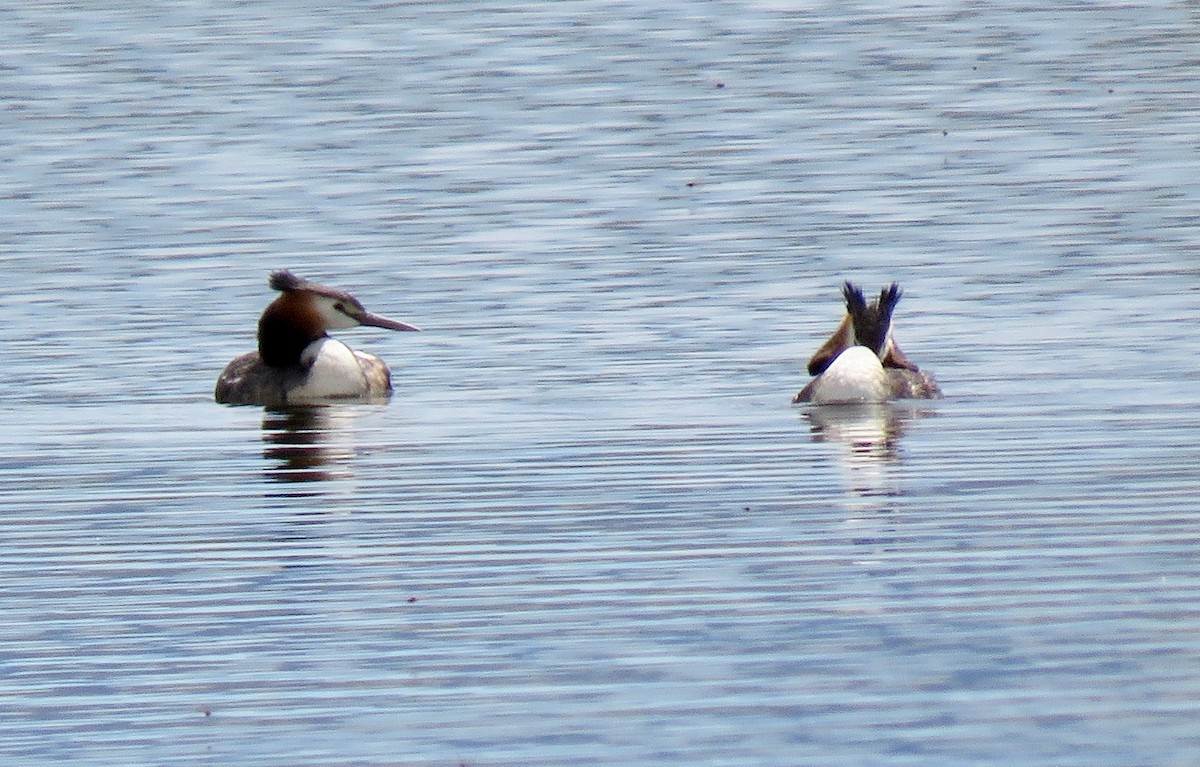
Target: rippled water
(589,528)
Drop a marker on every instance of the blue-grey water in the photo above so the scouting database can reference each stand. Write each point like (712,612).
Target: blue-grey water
(589,528)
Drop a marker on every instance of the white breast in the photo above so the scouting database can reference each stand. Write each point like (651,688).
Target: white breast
(333,371)
(856,376)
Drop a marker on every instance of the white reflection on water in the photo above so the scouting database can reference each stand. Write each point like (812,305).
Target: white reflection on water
(868,440)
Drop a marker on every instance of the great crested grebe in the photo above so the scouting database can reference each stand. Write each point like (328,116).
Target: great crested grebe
(861,362)
(296,362)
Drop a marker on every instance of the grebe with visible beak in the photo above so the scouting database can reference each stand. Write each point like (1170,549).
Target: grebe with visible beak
(297,362)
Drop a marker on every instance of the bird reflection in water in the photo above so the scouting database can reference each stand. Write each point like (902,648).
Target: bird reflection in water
(868,438)
(312,443)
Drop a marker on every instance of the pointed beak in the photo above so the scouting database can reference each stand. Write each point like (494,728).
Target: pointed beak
(375,321)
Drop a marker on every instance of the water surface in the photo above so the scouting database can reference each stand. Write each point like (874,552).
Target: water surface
(590,528)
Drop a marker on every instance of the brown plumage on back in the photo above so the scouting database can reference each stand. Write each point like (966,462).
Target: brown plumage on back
(842,339)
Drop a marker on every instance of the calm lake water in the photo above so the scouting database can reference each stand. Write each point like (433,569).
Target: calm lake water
(589,528)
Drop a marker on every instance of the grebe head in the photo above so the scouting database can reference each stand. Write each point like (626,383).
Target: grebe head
(304,313)
(868,325)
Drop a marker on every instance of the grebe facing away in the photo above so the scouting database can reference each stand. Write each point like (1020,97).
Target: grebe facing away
(861,362)
(296,361)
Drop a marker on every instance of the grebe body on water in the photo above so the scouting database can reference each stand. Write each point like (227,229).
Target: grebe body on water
(297,362)
(861,362)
